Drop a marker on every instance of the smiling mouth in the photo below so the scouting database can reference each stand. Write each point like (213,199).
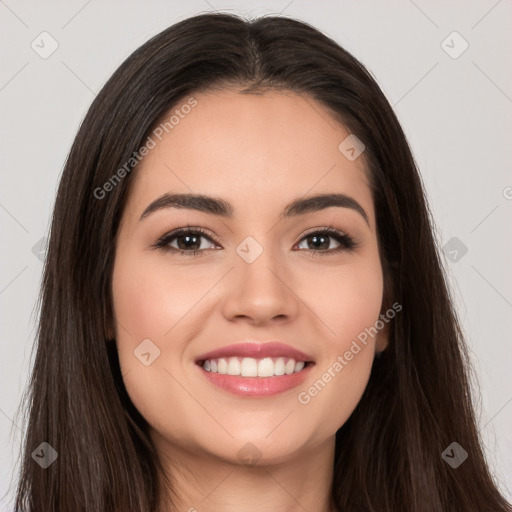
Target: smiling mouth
(254,367)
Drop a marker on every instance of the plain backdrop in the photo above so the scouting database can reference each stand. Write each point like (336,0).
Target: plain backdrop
(454,103)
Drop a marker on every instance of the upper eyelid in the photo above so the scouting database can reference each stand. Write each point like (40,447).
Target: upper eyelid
(192,229)
(331,230)
(205,232)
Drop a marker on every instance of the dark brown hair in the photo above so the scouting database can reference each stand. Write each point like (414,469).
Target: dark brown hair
(388,453)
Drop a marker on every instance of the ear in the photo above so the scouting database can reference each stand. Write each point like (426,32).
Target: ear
(110,331)
(382,339)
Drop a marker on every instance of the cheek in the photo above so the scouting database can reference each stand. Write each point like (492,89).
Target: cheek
(149,300)
(339,304)
(152,302)
(148,303)
(346,301)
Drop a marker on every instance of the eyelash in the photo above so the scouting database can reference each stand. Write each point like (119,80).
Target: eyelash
(346,242)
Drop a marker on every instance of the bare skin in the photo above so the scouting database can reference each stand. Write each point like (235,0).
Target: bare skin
(259,152)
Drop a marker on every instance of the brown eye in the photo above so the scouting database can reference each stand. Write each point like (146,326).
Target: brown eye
(188,241)
(320,241)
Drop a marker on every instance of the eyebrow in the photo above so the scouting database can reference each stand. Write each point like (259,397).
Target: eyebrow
(222,208)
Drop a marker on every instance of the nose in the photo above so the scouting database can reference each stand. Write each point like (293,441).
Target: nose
(260,292)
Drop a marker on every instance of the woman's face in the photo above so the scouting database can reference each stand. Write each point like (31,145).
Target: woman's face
(259,276)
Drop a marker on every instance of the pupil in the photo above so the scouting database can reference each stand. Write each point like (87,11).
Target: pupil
(191,240)
(316,238)
(188,239)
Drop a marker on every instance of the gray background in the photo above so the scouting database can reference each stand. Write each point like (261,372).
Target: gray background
(456,112)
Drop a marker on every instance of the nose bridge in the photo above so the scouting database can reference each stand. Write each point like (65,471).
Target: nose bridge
(258,288)
(259,263)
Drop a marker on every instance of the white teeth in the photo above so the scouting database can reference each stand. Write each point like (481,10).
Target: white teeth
(279,366)
(289,367)
(266,367)
(222,366)
(233,366)
(251,367)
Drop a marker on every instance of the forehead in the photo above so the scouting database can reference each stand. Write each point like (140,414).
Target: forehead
(252,150)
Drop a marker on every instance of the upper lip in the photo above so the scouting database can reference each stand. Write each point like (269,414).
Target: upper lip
(256,350)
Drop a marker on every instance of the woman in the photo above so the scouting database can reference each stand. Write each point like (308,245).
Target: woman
(243,303)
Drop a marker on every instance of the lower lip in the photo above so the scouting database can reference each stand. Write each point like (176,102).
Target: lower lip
(257,386)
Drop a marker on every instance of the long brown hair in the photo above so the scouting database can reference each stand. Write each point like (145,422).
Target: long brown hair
(389,453)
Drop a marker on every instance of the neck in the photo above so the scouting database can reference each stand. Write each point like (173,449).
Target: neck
(203,482)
